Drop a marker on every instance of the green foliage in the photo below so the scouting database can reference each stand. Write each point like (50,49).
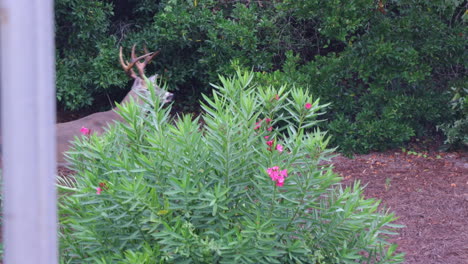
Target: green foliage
(197,41)
(385,66)
(457,131)
(173,191)
(388,82)
(86,55)
(364,116)
(335,19)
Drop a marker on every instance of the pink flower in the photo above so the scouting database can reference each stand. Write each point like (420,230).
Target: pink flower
(266,137)
(103,185)
(308,105)
(284,173)
(270,143)
(85,131)
(273,172)
(257,125)
(276,97)
(280,182)
(277,175)
(98,190)
(279,148)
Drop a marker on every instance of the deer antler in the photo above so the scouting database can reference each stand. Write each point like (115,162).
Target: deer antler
(135,61)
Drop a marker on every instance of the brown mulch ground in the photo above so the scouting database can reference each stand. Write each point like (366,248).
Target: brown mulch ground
(428,194)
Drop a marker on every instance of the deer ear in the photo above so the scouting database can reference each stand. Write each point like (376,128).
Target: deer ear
(153,79)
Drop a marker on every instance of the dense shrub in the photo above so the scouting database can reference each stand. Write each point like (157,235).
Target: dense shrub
(86,54)
(389,80)
(246,187)
(457,131)
(385,66)
(197,42)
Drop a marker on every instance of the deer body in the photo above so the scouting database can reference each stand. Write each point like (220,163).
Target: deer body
(66,132)
(97,122)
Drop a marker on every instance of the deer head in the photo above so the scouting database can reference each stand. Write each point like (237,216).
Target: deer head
(140,85)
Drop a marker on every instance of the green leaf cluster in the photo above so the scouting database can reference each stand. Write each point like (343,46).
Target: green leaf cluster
(196,189)
(385,66)
(457,131)
(389,79)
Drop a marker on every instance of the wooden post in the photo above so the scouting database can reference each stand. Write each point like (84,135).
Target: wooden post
(28,136)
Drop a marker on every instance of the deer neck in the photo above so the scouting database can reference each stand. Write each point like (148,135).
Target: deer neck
(131,95)
(137,85)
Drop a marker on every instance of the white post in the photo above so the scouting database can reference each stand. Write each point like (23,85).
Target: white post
(28,137)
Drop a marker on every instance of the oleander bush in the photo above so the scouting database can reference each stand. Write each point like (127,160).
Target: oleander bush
(244,182)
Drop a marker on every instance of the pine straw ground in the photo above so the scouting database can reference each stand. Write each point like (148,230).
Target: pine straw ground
(428,194)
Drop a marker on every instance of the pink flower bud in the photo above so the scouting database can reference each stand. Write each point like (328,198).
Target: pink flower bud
(257,125)
(280,182)
(308,105)
(277,175)
(98,190)
(103,185)
(279,148)
(85,131)
(284,173)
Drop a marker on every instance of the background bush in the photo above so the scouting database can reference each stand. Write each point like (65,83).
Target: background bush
(457,131)
(386,67)
(159,190)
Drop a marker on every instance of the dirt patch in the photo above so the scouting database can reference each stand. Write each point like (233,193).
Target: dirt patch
(428,194)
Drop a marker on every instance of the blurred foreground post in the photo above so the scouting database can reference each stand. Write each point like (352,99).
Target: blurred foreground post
(28,131)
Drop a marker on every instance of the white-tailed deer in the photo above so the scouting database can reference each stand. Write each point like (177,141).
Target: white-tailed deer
(98,121)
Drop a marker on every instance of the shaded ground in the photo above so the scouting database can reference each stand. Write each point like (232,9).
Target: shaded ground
(430,195)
